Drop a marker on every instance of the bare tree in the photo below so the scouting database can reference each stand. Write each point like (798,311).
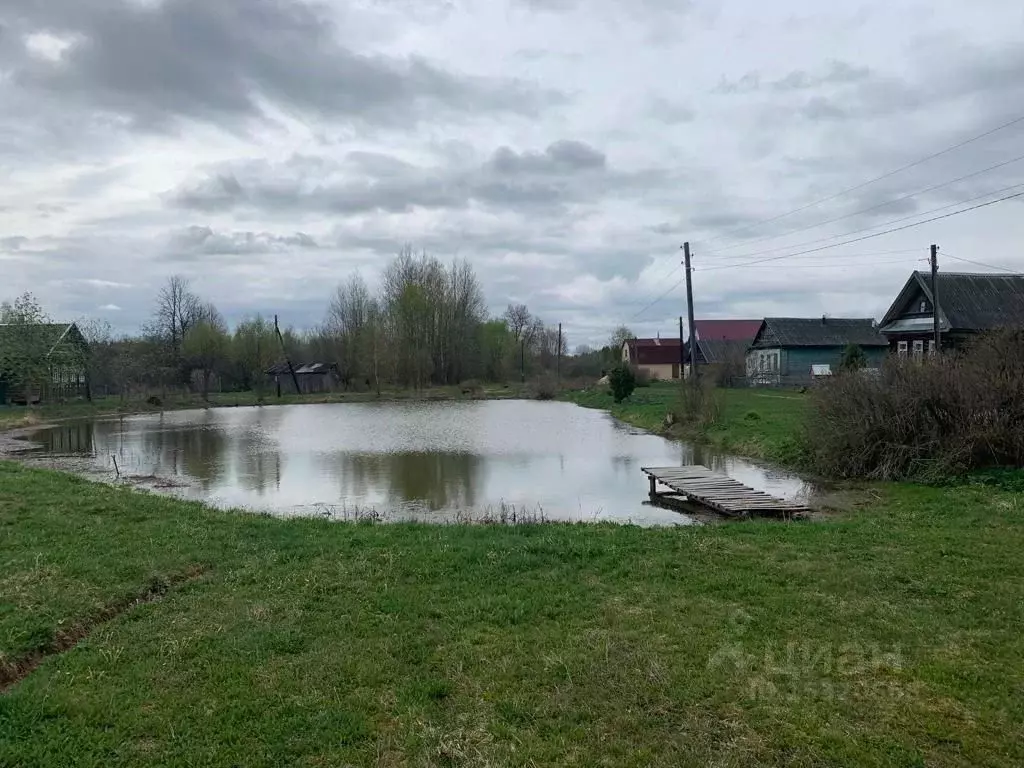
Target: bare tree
(517,318)
(177,310)
(620,336)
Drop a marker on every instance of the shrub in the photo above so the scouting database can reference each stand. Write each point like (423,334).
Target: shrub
(698,404)
(927,419)
(471,387)
(853,358)
(641,377)
(622,382)
(544,388)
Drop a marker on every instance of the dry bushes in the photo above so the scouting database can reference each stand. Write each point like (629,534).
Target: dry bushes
(699,404)
(927,419)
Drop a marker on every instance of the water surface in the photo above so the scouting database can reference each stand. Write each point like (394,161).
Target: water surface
(435,461)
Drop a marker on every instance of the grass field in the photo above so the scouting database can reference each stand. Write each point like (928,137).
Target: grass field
(888,637)
(763,424)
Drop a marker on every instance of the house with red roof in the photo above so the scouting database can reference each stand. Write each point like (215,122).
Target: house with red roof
(718,342)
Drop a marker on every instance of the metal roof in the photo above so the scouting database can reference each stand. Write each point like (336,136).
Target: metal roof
(967,301)
(653,351)
(727,330)
(818,332)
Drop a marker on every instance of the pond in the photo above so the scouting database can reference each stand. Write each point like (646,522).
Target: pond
(430,461)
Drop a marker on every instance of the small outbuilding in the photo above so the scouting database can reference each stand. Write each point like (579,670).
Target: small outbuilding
(313,378)
(42,362)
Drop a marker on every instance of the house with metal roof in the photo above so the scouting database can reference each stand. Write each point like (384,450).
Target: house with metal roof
(969,304)
(312,378)
(795,350)
(723,342)
(658,358)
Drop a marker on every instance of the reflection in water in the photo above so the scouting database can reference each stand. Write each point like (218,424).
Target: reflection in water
(461,459)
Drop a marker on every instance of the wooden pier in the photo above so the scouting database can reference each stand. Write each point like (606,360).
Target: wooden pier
(699,485)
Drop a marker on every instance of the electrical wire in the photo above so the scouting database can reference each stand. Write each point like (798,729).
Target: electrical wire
(877,234)
(662,296)
(869,208)
(947,255)
(854,188)
(874,226)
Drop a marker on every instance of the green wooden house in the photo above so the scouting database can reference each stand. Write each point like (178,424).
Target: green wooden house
(796,350)
(42,362)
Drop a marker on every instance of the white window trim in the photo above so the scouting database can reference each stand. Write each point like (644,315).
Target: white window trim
(901,348)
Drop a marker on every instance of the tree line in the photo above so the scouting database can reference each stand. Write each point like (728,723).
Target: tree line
(426,325)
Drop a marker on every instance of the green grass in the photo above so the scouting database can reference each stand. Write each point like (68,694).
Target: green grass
(887,637)
(763,424)
(12,417)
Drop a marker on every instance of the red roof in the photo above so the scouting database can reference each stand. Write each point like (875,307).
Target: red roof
(653,351)
(727,330)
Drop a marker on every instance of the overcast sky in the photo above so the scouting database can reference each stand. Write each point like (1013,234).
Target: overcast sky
(266,149)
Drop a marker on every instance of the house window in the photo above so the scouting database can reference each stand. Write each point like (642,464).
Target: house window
(931,346)
(901,348)
(918,349)
(924,306)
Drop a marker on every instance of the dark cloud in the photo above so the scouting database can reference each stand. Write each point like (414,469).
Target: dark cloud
(196,241)
(12,243)
(565,172)
(216,61)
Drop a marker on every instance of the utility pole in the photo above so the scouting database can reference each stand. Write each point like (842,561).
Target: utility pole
(935,299)
(682,350)
(558,364)
(295,379)
(689,311)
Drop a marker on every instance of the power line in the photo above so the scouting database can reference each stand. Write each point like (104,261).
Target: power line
(662,296)
(740,259)
(873,226)
(948,255)
(869,181)
(873,207)
(868,237)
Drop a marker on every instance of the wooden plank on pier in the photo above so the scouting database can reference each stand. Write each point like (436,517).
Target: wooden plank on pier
(721,493)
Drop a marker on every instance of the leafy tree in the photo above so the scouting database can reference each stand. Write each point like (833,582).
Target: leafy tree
(853,358)
(25,344)
(622,382)
(254,349)
(205,347)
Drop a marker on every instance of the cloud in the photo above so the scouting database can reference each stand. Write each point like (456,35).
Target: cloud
(154,64)
(566,172)
(197,241)
(835,73)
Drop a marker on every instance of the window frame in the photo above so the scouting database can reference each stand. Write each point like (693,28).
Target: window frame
(902,348)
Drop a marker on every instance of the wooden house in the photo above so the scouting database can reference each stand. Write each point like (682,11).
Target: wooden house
(313,378)
(968,304)
(42,362)
(795,350)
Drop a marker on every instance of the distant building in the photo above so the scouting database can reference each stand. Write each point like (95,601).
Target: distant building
(794,350)
(42,362)
(968,304)
(723,344)
(658,358)
(313,378)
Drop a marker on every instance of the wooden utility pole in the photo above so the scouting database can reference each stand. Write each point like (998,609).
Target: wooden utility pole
(558,364)
(689,311)
(935,299)
(287,359)
(682,351)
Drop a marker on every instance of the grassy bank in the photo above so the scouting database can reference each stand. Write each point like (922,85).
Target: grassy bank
(13,417)
(889,637)
(763,424)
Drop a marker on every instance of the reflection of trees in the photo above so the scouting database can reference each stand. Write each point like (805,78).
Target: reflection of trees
(260,463)
(197,448)
(75,437)
(440,480)
(699,454)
